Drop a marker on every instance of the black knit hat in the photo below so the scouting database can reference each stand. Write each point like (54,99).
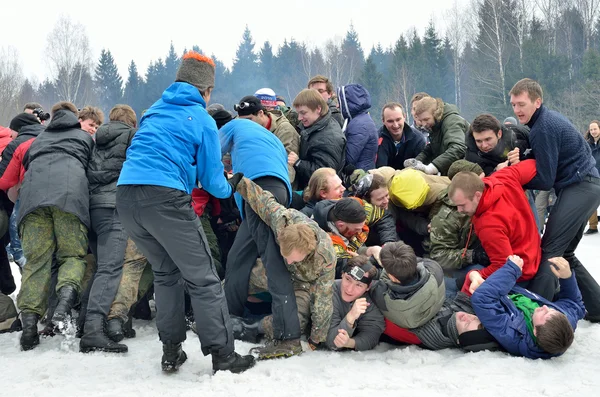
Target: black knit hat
(248,105)
(478,340)
(21,120)
(221,117)
(349,210)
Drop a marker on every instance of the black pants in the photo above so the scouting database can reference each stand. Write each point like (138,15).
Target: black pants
(111,242)
(168,232)
(566,223)
(255,239)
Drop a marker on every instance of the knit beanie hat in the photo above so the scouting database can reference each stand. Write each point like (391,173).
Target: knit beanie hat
(21,120)
(510,120)
(214,107)
(478,340)
(463,166)
(197,70)
(267,97)
(349,210)
(221,117)
(248,105)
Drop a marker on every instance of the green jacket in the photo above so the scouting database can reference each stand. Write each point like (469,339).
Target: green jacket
(316,270)
(447,140)
(283,129)
(452,238)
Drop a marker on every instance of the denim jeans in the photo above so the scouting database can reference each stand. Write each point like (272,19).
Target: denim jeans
(14,248)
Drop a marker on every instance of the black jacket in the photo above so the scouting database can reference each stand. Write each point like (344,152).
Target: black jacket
(323,144)
(108,156)
(26,133)
(512,136)
(595,151)
(411,144)
(56,169)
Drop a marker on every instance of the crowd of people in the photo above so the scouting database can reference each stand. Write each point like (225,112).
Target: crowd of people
(282,223)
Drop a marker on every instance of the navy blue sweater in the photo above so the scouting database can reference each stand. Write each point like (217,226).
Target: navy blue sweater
(562,154)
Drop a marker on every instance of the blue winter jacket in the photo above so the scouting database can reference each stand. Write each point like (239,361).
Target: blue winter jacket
(177,145)
(361,133)
(255,152)
(501,318)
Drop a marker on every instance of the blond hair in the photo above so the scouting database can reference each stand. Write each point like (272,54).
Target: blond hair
(312,100)
(298,237)
(317,183)
(124,114)
(92,113)
(433,105)
(530,86)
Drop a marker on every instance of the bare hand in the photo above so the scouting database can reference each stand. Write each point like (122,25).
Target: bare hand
(429,228)
(517,260)
(374,251)
(342,338)
(476,281)
(352,253)
(560,267)
(292,158)
(358,308)
(502,165)
(513,156)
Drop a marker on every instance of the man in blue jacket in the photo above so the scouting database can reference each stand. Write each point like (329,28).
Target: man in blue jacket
(261,157)
(176,147)
(524,323)
(564,162)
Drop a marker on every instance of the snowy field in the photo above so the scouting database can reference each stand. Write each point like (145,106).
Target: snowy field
(57,368)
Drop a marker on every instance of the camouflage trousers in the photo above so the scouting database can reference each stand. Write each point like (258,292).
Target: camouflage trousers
(258,285)
(135,282)
(44,232)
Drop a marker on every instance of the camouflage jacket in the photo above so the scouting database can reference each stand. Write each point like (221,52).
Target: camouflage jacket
(317,269)
(452,236)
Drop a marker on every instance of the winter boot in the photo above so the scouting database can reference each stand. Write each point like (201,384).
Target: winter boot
(128,330)
(115,329)
(233,363)
(29,337)
(173,357)
(245,330)
(95,339)
(66,299)
(278,349)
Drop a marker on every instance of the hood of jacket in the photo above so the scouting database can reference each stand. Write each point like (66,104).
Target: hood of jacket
(321,213)
(183,94)
(449,110)
(492,192)
(111,131)
(32,130)
(63,120)
(400,291)
(354,100)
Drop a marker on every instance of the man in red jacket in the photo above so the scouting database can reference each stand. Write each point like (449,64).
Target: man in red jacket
(504,223)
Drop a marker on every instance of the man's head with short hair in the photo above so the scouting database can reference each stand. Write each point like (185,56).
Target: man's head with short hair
(64,105)
(465,191)
(526,97)
(393,117)
(251,108)
(348,216)
(357,276)
(322,85)
(124,114)
(552,329)
(90,118)
(310,107)
(378,193)
(30,107)
(487,132)
(296,242)
(429,111)
(324,184)
(399,261)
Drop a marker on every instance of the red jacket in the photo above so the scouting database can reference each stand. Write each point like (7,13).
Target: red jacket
(504,221)
(15,171)
(201,198)
(5,137)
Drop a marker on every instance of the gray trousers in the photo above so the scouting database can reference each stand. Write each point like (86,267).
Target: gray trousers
(255,239)
(566,223)
(111,241)
(168,232)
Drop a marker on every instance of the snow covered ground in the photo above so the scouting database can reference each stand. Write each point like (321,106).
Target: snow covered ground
(56,367)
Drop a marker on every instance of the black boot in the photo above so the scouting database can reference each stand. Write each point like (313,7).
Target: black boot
(29,337)
(128,330)
(115,329)
(66,299)
(233,363)
(245,330)
(95,339)
(173,357)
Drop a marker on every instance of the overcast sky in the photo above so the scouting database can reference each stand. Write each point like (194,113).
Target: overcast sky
(142,31)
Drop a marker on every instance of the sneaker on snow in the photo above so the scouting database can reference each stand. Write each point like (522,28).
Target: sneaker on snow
(278,349)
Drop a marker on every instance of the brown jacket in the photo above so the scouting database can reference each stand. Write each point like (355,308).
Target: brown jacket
(285,131)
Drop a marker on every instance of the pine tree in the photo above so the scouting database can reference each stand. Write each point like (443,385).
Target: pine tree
(432,62)
(47,94)
(354,57)
(245,69)
(108,82)
(171,64)
(372,80)
(267,65)
(134,90)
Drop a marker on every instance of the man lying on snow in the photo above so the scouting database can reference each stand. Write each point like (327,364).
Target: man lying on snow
(525,324)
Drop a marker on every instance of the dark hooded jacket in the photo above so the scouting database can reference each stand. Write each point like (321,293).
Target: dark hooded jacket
(323,144)
(27,127)
(513,136)
(361,132)
(447,140)
(413,304)
(56,169)
(595,146)
(108,156)
(391,155)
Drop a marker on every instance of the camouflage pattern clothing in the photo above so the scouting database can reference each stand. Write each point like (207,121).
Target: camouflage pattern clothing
(316,272)
(135,282)
(452,237)
(44,232)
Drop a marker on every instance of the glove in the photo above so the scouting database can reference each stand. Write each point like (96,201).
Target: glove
(430,169)
(413,163)
(316,346)
(234,180)
(480,257)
